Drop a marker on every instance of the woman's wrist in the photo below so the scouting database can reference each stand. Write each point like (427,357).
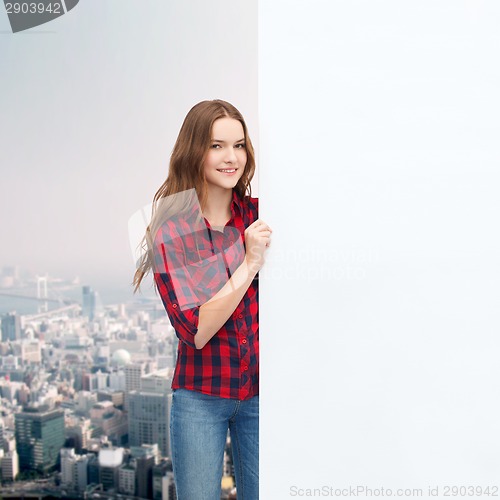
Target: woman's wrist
(252,266)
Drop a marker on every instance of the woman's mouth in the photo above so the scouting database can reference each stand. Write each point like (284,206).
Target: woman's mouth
(227,171)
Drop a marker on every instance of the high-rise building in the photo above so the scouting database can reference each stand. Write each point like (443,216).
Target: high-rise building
(94,473)
(80,472)
(116,397)
(117,380)
(127,479)
(74,473)
(39,437)
(109,421)
(148,419)
(2,430)
(149,412)
(11,327)
(160,471)
(29,351)
(85,400)
(67,460)
(144,472)
(88,302)
(110,461)
(143,459)
(133,374)
(95,381)
(79,431)
(168,487)
(157,381)
(9,465)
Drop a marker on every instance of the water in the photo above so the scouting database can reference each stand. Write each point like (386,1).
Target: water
(108,295)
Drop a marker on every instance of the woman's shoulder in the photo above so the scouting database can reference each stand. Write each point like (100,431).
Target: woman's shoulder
(176,226)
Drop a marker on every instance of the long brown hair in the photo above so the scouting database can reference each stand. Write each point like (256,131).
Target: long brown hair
(186,170)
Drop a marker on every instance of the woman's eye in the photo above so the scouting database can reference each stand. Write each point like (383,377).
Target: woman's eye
(240,146)
(215,146)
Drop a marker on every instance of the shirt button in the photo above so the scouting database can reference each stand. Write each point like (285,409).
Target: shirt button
(245,368)
(240,316)
(174,305)
(244,341)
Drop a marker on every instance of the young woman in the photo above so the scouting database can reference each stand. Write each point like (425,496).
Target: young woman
(206,246)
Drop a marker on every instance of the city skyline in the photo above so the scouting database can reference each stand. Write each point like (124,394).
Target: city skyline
(85,396)
(23,289)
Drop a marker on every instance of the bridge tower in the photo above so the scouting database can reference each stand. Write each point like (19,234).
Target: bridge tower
(41,293)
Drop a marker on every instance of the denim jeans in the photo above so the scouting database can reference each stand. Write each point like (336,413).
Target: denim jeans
(198,430)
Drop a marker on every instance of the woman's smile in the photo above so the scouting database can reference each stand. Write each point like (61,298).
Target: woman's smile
(227,171)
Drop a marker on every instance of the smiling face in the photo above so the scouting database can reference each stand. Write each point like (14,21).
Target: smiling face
(227,156)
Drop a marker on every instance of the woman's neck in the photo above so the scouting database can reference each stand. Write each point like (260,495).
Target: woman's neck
(218,207)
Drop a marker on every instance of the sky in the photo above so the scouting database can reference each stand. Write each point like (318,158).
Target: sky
(91,106)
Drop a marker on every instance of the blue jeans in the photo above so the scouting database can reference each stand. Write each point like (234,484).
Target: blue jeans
(198,430)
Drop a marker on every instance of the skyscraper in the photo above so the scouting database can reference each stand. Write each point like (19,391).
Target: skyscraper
(88,302)
(2,430)
(9,465)
(160,471)
(133,374)
(39,437)
(110,460)
(148,419)
(11,327)
(149,411)
(144,470)
(73,469)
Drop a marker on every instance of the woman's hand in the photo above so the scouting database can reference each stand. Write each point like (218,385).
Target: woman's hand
(216,311)
(257,240)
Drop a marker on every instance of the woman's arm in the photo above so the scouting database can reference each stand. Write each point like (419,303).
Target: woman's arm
(195,323)
(216,311)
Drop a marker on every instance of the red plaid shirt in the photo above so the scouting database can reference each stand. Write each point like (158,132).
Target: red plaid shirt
(193,262)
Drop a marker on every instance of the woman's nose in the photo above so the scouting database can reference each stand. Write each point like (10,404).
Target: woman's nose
(230,156)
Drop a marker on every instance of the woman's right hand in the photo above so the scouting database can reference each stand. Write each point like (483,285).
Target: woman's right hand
(257,240)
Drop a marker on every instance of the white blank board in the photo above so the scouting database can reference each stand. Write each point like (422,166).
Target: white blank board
(379,300)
